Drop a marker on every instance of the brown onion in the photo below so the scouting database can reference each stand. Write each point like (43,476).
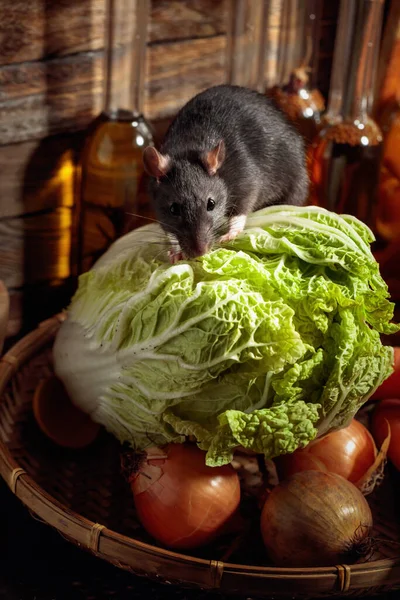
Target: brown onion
(179,500)
(350,452)
(315,519)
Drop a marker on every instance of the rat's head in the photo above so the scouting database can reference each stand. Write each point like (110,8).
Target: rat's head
(189,197)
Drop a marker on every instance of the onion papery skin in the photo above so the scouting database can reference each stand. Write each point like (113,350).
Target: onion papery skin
(315,519)
(180,501)
(348,452)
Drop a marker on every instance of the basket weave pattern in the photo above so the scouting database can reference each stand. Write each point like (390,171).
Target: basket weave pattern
(84,496)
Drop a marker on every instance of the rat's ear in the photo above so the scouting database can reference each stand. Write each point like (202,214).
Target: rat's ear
(213,159)
(155,164)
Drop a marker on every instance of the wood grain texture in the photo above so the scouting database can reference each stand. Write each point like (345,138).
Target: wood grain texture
(64,94)
(41,98)
(57,84)
(52,69)
(49,29)
(187,68)
(183,19)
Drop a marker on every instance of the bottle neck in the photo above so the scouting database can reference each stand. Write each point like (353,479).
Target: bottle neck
(355,60)
(125,55)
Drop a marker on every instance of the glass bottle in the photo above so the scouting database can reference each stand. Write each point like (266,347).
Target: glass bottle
(113,197)
(246,38)
(344,157)
(296,92)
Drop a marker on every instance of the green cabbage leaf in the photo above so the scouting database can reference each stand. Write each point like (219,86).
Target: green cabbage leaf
(264,343)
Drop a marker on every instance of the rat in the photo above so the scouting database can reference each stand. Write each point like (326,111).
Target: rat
(228,152)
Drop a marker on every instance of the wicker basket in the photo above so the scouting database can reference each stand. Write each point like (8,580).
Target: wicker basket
(83,495)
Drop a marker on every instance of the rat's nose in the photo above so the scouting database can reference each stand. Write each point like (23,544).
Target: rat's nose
(200,247)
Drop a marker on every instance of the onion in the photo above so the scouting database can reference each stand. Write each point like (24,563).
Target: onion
(315,519)
(179,500)
(350,452)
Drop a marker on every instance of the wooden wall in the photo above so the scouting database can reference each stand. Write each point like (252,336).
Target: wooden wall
(51,73)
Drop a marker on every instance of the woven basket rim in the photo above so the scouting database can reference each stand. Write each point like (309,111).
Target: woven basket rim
(101,540)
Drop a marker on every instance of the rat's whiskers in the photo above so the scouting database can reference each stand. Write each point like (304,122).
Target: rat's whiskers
(150,219)
(142,217)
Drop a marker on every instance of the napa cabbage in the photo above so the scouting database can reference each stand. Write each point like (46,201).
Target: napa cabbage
(264,343)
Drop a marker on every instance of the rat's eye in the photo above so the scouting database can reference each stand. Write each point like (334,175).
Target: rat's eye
(210,204)
(175,209)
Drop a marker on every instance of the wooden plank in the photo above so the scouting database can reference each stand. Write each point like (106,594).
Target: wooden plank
(44,98)
(183,19)
(39,98)
(182,71)
(40,31)
(63,94)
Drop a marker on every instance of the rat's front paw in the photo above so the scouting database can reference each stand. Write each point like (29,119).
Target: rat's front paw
(236,226)
(174,256)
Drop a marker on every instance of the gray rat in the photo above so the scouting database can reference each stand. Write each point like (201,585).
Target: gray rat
(228,152)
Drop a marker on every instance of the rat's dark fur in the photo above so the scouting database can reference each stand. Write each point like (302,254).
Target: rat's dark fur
(264,164)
